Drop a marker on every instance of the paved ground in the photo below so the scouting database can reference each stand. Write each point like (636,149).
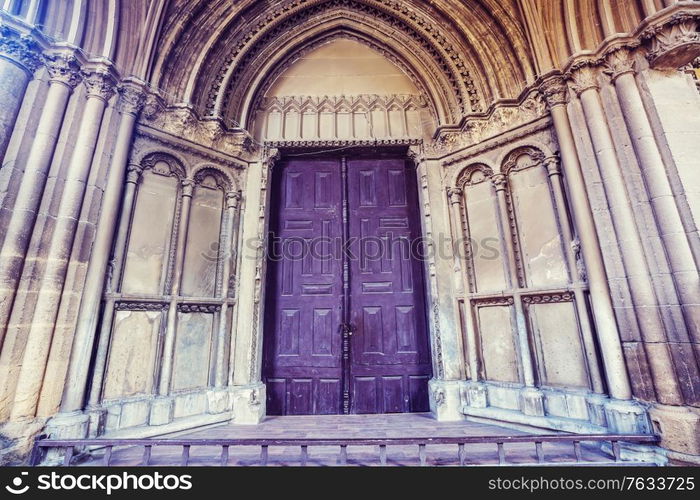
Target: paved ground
(357,426)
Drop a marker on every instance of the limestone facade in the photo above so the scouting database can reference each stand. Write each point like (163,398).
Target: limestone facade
(555,145)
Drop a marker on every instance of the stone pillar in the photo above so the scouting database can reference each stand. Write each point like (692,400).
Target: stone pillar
(556,95)
(586,87)
(130,103)
(19,59)
(100,88)
(455,196)
(64,76)
(112,283)
(219,397)
(248,392)
(576,271)
(620,67)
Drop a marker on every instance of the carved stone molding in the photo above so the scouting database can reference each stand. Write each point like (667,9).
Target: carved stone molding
(555,91)
(100,84)
(584,76)
(63,67)
(674,43)
(21,49)
(549,298)
(619,62)
(198,308)
(140,306)
(513,161)
(493,301)
(362,103)
(334,143)
(474,174)
(164,164)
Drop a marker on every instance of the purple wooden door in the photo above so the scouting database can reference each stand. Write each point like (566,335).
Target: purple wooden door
(390,364)
(345,331)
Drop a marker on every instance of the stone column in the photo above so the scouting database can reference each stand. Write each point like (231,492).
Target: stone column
(130,102)
(620,67)
(113,283)
(576,271)
(100,88)
(218,399)
(64,76)
(162,408)
(556,94)
(19,59)
(456,197)
(585,81)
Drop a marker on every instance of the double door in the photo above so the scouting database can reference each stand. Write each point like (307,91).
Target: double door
(345,325)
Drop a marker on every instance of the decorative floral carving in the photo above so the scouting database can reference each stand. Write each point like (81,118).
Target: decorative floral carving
(619,62)
(199,308)
(20,48)
(674,43)
(555,91)
(100,84)
(493,301)
(132,98)
(63,68)
(549,298)
(140,306)
(455,195)
(500,182)
(584,76)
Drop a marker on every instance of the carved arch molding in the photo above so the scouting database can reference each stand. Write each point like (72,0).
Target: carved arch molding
(230,77)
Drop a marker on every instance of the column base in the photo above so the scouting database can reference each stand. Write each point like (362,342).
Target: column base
(248,403)
(679,428)
(474,394)
(162,409)
(627,417)
(445,400)
(532,402)
(218,401)
(70,425)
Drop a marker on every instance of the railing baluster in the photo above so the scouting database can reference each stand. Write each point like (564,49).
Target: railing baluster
(501,454)
(616,450)
(421,454)
(224,455)
(304,455)
(146,459)
(185,454)
(461,453)
(263,455)
(382,454)
(68,456)
(343,454)
(577,451)
(108,456)
(540,452)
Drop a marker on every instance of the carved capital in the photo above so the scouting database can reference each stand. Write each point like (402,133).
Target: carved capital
(555,92)
(584,77)
(232,199)
(500,182)
(63,68)
(132,98)
(100,84)
(133,173)
(553,165)
(455,195)
(21,49)
(619,62)
(271,157)
(675,43)
(188,187)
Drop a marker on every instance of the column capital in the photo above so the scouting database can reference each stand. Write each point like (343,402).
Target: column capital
(132,97)
(20,48)
(232,199)
(553,165)
(100,83)
(188,187)
(63,67)
(555,91)
(619,62)
(674,43)
(584,77)
(455,195)
(500,182)
(133,173)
